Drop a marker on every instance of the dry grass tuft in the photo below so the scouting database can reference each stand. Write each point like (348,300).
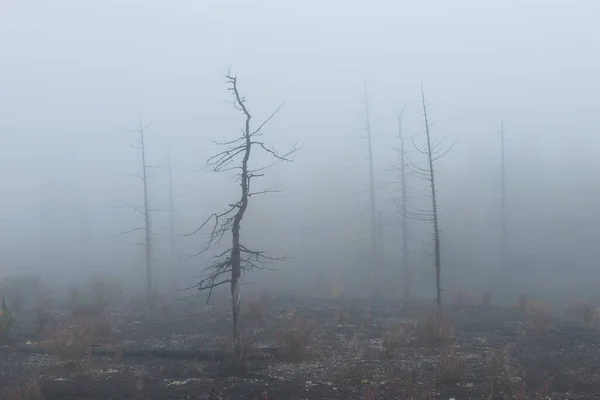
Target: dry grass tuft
(430,331)
(501,375)
(539,319)
(31,390)
(254,309)
(451,366)
(584,313)
(295,339)
(341,316)
(393,340)
(70,342)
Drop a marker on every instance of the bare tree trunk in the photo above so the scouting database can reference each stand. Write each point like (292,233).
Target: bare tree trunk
(436,229)
(236,262)
(405,259)
(375,240)
(238,257)
(172,252)
(503,199)
(147,231)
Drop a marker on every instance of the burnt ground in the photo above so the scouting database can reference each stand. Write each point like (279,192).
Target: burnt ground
(178,353)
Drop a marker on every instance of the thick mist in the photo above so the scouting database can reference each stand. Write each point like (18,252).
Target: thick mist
(77,76)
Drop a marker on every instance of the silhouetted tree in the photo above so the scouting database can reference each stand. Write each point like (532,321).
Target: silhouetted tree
(227,266)
(403,204)
(375,216)
(433,152)
(145,211)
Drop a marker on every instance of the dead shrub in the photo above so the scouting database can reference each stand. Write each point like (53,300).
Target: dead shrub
(46,321)
(295,339)
(247,341)
(585,313)
(254,309)
(393,340)
(370,393)
(430,331)
(70,342)
(539,323)
(263,396)
(341,316)
(539,319)
(501,375)
(31,390)
(451,365)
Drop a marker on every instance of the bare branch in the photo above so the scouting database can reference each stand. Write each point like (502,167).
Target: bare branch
(132,207)
(129,231)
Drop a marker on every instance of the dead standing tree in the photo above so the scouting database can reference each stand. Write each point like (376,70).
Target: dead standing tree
(376,249)
(503,197)
(433,152)
(145,211)
(403,205)
(227,266)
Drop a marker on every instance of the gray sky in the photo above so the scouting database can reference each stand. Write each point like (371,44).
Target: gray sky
(75,75)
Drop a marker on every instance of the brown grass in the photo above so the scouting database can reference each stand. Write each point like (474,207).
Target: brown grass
(393,340)
(70,342)
(254,309)
(295,339)
(501,375)
(429,332)
(584,313)
(341,316)
(539,318)
(451,366)
(31,390)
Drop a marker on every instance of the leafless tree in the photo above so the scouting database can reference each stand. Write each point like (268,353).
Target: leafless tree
(375,216)
(173,254)
(403,206)
(227,266)
(503,197)
(145,211)
(433,152)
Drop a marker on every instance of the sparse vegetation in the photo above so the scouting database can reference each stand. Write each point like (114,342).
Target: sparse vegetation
(429,331)
(393,340)
(451,365)
(502,377)
(70,342)
(295,339)
(29,390)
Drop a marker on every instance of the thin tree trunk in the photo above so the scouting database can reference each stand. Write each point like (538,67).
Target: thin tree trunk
(405,261)
(236,268)
(147,232)
(503,200)
(172,253)
(374,224)
(436,229)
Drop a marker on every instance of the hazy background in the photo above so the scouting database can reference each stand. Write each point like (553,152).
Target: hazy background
(75,76)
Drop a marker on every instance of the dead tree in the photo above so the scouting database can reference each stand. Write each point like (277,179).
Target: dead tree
(145,211)
(403,205)
(503,197)
(433,152)
(227,266)
(376,242)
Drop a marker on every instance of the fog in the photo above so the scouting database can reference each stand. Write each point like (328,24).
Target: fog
(77,76)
